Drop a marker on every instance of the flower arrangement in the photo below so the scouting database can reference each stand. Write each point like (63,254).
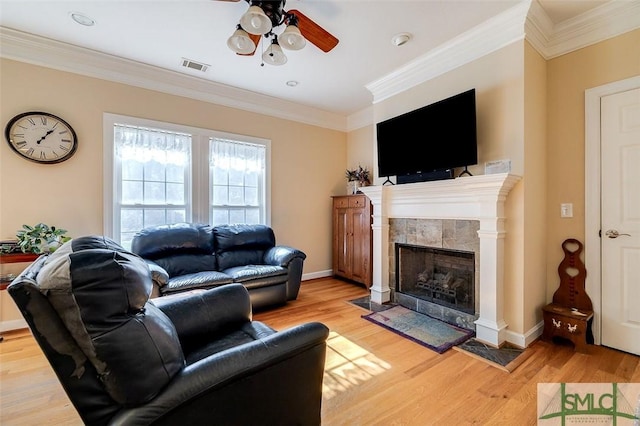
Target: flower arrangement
(361,174)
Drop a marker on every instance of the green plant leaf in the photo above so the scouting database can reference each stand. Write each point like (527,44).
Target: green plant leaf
(40,238)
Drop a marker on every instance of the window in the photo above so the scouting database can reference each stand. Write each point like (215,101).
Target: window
(158,173)
(237,171)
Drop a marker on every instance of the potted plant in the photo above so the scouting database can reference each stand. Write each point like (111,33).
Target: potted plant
(357,178)
(41,238)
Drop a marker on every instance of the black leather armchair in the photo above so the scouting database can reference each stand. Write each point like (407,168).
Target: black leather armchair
(192,358)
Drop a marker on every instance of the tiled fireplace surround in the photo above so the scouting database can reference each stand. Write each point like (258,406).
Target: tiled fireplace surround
(440,233)
(446,214)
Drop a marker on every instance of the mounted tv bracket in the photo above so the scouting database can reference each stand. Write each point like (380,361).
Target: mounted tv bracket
(465,172)
(387,181)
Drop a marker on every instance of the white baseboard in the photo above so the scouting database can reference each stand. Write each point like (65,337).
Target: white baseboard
(319,274)
(12,325)
(524,340)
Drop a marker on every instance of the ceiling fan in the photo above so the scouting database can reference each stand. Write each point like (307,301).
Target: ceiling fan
(260,20)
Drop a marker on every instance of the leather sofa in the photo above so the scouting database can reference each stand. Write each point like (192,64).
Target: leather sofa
(187,256)
(194,358)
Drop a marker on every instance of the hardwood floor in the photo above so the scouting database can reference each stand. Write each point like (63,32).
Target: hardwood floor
(372,377)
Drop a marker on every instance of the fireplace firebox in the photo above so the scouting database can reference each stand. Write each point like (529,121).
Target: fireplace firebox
(438,275)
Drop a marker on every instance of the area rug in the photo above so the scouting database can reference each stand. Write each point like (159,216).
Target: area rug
(506,357)
(427,331)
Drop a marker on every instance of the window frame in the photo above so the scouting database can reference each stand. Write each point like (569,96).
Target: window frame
(200,203)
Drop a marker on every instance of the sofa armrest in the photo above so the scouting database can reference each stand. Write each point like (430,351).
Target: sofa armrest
(282,255)
(292,259)
(293,358)
(200,313)
(159,275)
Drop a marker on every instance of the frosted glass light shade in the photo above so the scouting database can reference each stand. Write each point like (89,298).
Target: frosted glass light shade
(254,21)
(291,38)
(274,55)
(240,42)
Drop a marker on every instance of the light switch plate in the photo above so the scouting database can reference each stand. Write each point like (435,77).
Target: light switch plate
(566,210)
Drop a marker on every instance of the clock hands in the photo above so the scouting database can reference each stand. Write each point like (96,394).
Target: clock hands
(42,138)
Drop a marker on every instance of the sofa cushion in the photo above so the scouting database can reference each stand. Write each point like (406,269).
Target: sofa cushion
(204,279)
(186,263)
(248,333)
(165,240)
(101,295)
(252,276)
(242,244)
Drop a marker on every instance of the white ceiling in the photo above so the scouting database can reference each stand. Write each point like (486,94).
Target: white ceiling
(162,32)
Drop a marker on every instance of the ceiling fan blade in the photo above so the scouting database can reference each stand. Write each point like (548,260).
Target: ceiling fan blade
(254,37)
(314,32)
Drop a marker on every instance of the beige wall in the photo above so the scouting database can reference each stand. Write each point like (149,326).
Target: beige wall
(360,149)
(568,77)
(533,294)
(308,162)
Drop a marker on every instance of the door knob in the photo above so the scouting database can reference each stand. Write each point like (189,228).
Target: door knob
(613,233)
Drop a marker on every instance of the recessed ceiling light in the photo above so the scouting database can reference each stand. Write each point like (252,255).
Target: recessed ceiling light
(82,19)
(400,39)
(292,83)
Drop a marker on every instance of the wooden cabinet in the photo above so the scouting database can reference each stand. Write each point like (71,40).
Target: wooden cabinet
(6,258)
(11,265)
(352,238)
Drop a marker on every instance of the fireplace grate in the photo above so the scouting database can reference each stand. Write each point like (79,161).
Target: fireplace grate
(438,275)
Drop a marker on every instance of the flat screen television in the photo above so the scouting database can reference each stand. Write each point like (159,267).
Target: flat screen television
(437,137)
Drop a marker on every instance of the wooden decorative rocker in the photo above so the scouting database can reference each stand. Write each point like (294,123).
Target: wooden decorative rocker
(571,311)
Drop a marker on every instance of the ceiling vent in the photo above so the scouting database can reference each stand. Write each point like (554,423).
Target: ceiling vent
(188,63)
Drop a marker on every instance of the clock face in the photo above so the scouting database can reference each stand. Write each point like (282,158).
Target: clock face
(41,137)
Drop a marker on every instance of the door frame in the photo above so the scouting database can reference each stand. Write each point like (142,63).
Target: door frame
(592,246)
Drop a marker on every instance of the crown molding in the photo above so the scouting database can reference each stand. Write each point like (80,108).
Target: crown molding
(360,119)
(538,27)
(601,23)
(527,19)
(32,49)
(479,41)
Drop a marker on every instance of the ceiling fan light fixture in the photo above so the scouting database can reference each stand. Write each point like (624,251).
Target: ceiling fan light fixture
(274,54)
(292,39)
(240,42)
(255,21)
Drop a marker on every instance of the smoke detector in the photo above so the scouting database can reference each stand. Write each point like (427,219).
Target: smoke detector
(400,39)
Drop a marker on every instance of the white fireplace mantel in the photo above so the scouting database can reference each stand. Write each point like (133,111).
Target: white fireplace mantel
(472,198)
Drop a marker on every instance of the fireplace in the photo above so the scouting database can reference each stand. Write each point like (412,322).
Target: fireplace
(480,199)
(438,275)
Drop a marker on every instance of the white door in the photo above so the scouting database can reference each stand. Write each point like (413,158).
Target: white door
(620,210)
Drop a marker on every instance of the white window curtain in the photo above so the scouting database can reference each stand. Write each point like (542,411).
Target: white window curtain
(237,156)
(144,145)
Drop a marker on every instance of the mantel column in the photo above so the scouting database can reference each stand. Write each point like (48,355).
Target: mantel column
(490,325)
(380,292)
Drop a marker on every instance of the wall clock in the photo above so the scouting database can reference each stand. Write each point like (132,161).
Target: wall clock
(41,137)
